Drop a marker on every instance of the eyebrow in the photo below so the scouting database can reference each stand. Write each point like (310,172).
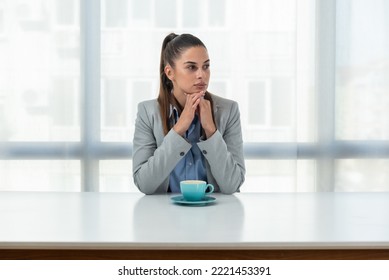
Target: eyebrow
(191,62)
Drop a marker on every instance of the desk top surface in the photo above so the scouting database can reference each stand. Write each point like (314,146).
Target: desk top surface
(241,221)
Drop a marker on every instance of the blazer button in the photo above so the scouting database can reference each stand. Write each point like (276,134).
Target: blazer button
(204,152)
(182,154)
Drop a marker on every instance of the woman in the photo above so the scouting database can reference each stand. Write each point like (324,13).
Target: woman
(187,133)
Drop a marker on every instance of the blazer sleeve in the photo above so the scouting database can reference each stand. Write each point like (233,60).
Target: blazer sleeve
(152,164)
(224,153)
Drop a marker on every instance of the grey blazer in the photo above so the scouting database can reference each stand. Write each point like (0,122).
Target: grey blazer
(156,155)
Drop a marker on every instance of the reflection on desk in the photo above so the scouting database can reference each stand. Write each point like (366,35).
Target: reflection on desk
(157,219)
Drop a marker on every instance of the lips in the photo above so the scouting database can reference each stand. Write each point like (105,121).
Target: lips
(200,85)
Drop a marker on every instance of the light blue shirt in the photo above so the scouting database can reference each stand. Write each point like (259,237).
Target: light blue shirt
(192,166)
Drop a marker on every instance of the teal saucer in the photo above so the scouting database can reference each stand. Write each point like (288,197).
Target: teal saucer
(181,200)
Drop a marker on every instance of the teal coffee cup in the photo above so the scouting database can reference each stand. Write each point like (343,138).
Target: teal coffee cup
(195,190)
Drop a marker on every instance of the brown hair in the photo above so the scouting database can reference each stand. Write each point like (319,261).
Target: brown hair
(172,47)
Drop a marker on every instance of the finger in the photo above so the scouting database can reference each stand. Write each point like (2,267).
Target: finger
(199,94)
(196,103)
(205,103)
(189,100)
(197,97)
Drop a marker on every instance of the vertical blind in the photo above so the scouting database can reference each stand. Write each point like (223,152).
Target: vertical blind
(310,78)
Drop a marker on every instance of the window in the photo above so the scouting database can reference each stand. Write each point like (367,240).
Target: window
(309,77)
(257,103)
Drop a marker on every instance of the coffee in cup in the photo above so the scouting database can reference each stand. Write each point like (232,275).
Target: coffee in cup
(195,190)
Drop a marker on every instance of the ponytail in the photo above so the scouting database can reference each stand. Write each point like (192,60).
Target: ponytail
(165,86)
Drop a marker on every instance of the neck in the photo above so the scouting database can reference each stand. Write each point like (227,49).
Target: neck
(173,101)
(180,97)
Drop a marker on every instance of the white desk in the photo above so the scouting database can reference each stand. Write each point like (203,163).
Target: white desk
(244,222)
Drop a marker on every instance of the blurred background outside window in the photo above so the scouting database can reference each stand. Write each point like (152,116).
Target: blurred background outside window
(310,78)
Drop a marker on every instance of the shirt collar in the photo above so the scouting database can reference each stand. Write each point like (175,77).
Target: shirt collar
(173,113)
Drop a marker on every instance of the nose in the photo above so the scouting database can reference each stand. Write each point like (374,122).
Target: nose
(200,73)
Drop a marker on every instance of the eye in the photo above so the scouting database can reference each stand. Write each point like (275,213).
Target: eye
(192,67)
(206,66)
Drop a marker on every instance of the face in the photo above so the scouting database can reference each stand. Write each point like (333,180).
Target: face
(191,72)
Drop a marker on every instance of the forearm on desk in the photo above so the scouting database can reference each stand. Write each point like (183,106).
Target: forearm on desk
(225,162)
(152,166)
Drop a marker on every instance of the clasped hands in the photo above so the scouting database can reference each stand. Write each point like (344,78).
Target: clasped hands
(195,102)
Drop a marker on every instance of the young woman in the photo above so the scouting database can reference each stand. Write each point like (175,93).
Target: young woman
(187,133)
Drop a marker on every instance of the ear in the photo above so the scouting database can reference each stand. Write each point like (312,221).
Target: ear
(169,72)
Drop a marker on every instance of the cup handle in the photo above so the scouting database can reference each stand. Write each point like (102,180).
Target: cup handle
(211,187)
